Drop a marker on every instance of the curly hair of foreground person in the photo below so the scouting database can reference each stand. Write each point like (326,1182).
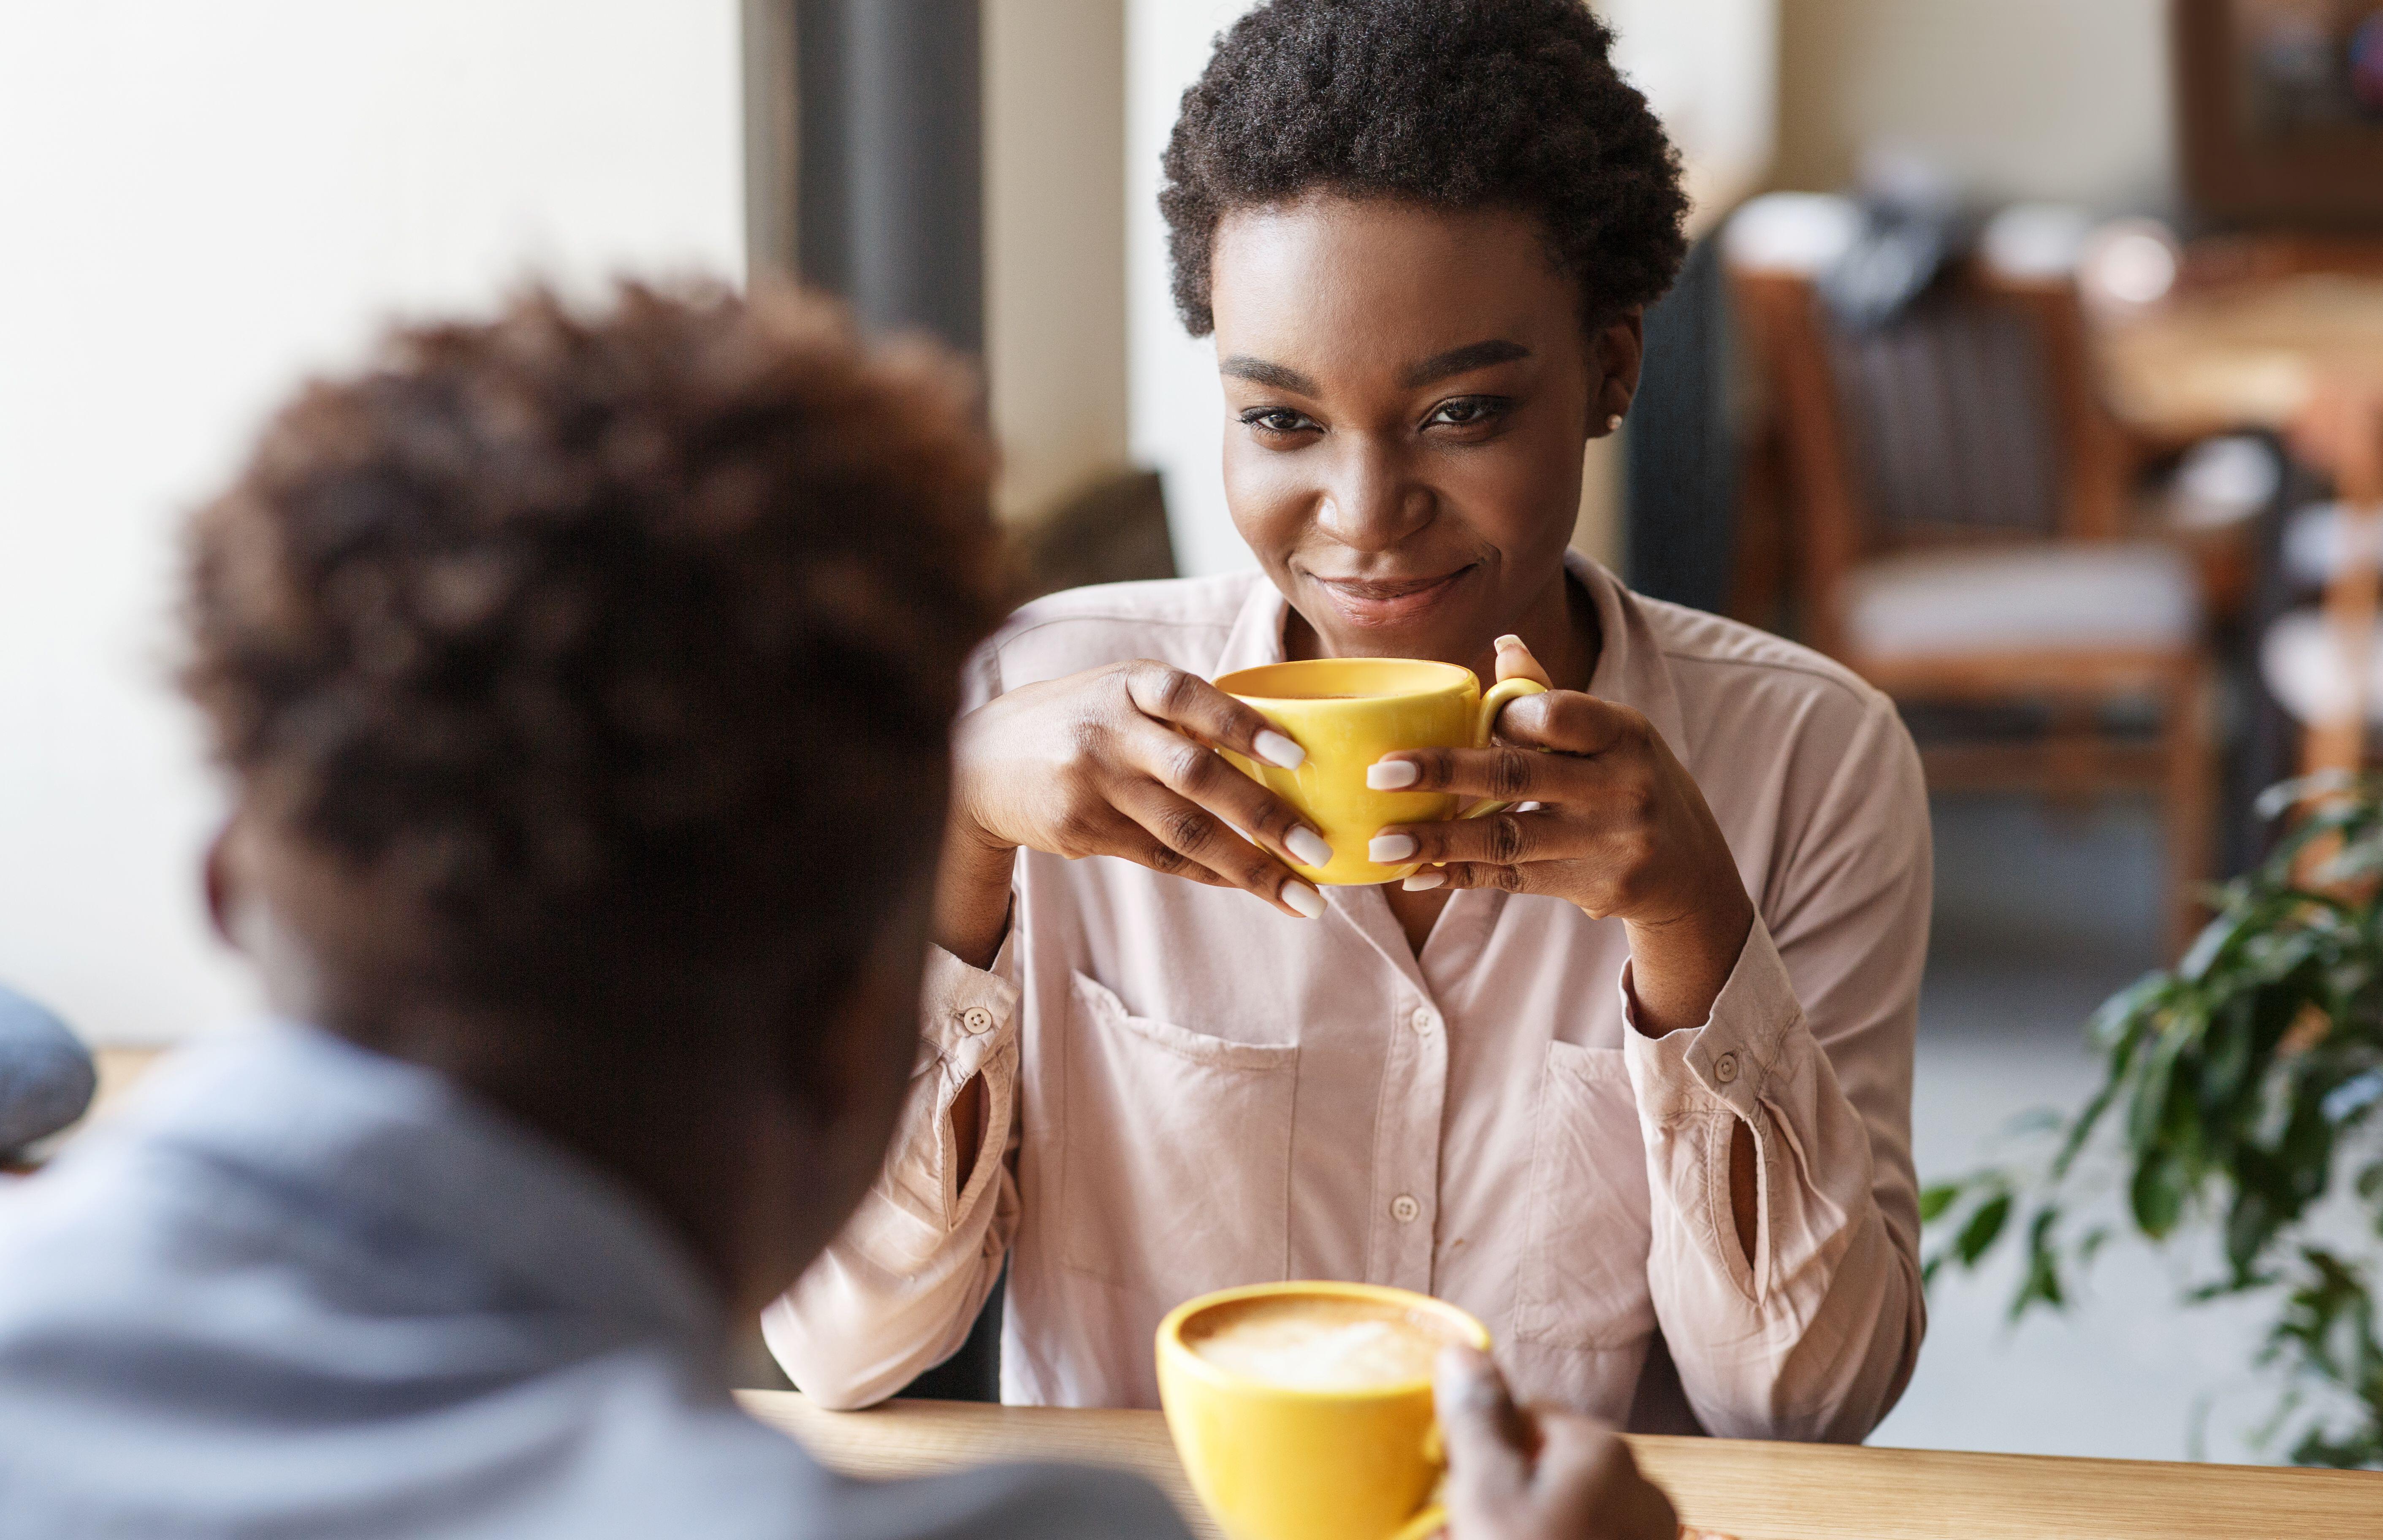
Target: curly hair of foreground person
(598,640)
(1461,104)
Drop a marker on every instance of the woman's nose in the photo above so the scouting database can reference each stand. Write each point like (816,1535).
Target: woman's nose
(1368,502)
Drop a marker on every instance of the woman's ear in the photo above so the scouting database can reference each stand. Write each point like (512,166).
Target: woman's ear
(1615,354)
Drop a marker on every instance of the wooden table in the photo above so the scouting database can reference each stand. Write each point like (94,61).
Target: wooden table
(1751,1491)
(2239,355)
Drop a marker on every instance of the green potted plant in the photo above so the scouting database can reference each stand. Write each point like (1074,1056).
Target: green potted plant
(2241,1094)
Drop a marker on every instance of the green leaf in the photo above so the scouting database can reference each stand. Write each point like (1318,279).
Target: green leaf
(2156,1196)
(1934,1200)
(2252,1223)
(2208,946)
(1983,1228)
(2083,1129)
(2041,1282)
(2147,1115)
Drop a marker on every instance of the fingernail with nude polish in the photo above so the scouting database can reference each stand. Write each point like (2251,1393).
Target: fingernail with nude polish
(1309,846)
(1276,749)
(1388,775)
(1422,881)
(1390,848)
(1305,899)
(1505,642)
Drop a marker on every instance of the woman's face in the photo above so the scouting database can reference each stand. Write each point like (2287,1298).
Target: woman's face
(1407,393)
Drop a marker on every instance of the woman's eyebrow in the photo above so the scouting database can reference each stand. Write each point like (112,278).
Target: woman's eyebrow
(1258,371)
(1458,361)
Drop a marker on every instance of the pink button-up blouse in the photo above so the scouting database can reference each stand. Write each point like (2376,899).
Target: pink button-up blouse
(1189,1090)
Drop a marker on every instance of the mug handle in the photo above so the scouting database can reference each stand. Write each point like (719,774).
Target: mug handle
(1432,1518)
(1500,695)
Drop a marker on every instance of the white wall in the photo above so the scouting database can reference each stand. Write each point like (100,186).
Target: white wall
(1055,229)
(1178,409)
(1711,70)
(2064,99)
(202,202)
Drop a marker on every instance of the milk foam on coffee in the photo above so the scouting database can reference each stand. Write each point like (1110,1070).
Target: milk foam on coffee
(1319,1343)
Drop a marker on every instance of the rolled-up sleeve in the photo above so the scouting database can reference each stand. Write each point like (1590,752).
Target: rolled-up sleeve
(897,1290)
(1809,1045)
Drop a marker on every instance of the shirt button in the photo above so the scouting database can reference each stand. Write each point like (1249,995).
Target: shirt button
(1726,1068)
(976,1021)
(1423,1018)
(1404,1209)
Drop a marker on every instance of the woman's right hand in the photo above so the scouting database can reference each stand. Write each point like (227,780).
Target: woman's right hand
(1119,760)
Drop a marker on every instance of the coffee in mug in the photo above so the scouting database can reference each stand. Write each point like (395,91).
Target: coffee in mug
(1320,1342)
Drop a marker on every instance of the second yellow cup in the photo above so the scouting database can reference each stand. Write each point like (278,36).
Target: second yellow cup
(1271,1462)
(1348,712)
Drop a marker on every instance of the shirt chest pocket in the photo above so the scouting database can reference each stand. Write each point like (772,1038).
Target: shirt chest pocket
(1584,1276)
(1175,1162)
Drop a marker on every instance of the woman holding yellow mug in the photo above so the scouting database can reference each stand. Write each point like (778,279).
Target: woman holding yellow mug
(1623,1069)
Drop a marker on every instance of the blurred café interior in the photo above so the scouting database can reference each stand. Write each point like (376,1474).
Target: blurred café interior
(2028,359)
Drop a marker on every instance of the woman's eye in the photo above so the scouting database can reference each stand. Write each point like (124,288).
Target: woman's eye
(1277,419)
(1468,411)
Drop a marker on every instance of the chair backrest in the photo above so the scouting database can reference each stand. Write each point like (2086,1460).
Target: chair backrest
(1970,417)
(1947,418)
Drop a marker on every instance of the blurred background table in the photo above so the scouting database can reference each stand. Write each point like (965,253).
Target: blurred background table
(1751,1491)
(2245,341)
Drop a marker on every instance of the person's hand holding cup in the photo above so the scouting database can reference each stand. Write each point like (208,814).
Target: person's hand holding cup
(1124,760)
(1519,1475)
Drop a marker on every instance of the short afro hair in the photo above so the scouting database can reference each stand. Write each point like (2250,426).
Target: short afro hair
(590,636)
(1459,104)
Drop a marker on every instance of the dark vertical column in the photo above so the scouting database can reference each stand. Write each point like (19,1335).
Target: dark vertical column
(1682,515)
(890,179)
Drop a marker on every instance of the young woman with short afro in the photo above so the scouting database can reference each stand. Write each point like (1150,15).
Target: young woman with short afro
(1624,1069)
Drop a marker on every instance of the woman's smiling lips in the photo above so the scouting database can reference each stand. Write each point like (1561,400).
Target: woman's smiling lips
(1387,600)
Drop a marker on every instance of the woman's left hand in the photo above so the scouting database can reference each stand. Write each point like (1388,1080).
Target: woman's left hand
(1621,830)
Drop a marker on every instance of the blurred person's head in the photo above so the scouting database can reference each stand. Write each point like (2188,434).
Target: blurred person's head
(1423,233)
(584,679)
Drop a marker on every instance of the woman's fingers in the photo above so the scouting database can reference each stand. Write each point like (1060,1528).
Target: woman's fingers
(1188,702)
(1497,839)
(1183,839)
(1199,774)
(1567,721)
(1538,877)
(1506,774)
(1515,661)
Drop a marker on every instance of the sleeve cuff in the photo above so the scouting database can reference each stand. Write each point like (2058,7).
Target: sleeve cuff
(968,1025)
(1729,1058)
(965,1014)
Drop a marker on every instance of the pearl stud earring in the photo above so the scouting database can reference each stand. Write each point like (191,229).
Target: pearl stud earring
(1613,424)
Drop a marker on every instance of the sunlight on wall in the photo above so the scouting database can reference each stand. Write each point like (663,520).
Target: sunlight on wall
(203,202)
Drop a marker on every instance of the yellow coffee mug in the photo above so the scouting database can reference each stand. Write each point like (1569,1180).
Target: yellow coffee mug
(1348,712)
(1276,1463)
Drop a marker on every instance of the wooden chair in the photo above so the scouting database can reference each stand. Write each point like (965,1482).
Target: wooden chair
(1956,502)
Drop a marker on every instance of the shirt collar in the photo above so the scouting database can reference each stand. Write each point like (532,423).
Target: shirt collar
(1631,668)
(391,1142)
